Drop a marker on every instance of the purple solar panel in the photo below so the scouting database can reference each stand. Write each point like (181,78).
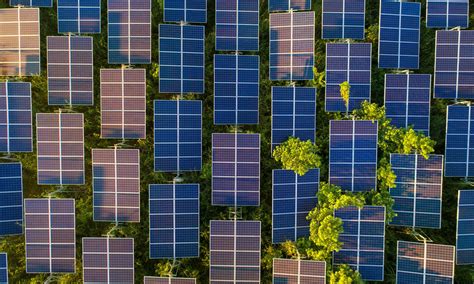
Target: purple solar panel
(298,271)
(168,280)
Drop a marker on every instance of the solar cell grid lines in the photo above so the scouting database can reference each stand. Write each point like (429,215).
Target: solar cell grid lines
(32,3)
(3,268)
(50,235)
(286,5)
(188,11)
(298,271)
(19,42)
(79,16)
(447,13)
(343,19)
(465,228)
(168,280)
(11,199)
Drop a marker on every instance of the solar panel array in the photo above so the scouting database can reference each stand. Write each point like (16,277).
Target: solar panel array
(60,145)
(424,263)
(234,251)
(50,235)
(465,228)
(286,5)
(353,154)
(447,13)
(292,46)
(3,268)
(188,11)
(343,19)
(298,271)
(19,42)
(108,260)
(294,197)
(70,71)
(174,220)
(11,199)
(16,134)
(181,59)
(129,31)
(78,16)
(235,169)
(168,280)
(363,240)
(407,101)
(237,24)
(236,89)
(32,3)
(123,103)
(399,35)
(453,65)
(348,62)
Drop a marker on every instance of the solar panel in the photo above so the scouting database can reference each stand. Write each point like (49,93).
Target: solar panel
(129,31)
(16,134)
(236,89)
(70,71)
(181,59)
(79,17)
(174,220)
(168,280)
(3,268)
(399,35)
(293,114)
(237,23)
(108,260)
(286,5)
(293,197)
(363,240)
(116,185)
(292,46)
(298,271)
(343,19)
(348,62)
(32,3)
(235,169)
(19,42)
(453,77)
(424,263)
(465,228)
(11,199)
(188,11)
(234,251)
(60,144)
(447,13)
(178,136)
(123,103)
(50,235)
(353,154)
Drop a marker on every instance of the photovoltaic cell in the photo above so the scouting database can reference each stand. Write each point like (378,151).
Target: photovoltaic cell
(188,11)
(363,240)
(236,89)
(168,280)
(465,228)
(349,62)
(79,16)
(235,169)
(293,197)
(286,5)
(181,59)
(343,19)
(178,136)
(60,144)
(234,251)
(424,263)
(353,154)
(32,3)
(11,200)
(292,46)
(447,13)
(50,235)
(123,103)
(298,271)
(174,221)
(3,268)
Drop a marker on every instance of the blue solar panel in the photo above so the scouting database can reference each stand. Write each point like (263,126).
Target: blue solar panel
(293,197)
(3,268)
(353,154)
(465,228)
(188,11)
(79,16)
(286,5)
(399,35)
(237,25)
(181,59)
(15,117)
(348,62)
(178,136)
(32,3)
(11,199)
(236,89)
(286,271)
(343,19)
(447,13)
(174,220)
(363,240)
(407,101)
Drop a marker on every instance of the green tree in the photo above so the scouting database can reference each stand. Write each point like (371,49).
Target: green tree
(345,275)
(345,90)
(299,156)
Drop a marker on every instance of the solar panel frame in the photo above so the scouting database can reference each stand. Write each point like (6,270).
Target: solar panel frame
(32,3)
(286,5)
(334,19)
(11,199)
(464,228)
(434,15)
(200,10)
(70,13)
(298,271)
(3,267)
(168,280)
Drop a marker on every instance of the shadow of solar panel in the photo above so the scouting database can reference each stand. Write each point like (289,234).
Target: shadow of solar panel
(181,59)
(174,220)
(348,62)
(236,89)
(235,169)
(399,35)
(32,3)
(343,19)
(424,263)
(129,31)
(20,42)
(3,268)
(287,271)
(293,197)
(11,199)
(60,144)
(292,46)
(50,235)
(465,228)
(234,251)
(108,260)
(188,11)
(168,280)
(447,13)
(286,5)
(123,103)
(15,117)
(79,16)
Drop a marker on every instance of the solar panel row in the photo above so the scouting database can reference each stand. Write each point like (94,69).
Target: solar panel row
(287,271)
(79,16)
(447,13)
(168,280)
(286,5)
(3,268)
(32,3)
(188,11)
(465,228)
(343,19)
(11,199)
